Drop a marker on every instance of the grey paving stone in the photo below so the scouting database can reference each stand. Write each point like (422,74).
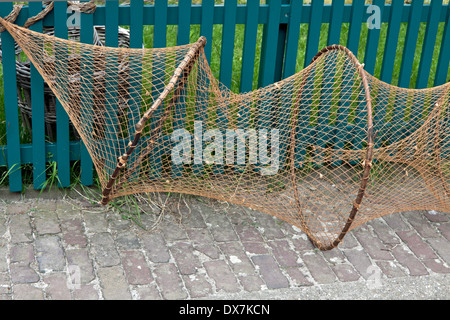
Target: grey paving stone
(106,253)
(270,272)
(50,254)
(57,288)
(183,253)
(79,258)
(73,232)
(136,269)
(224,278)
(20,228)
(197,285)
(169,281)
(113,283)
(27,292)
(23,274)
(46,222)
(155,247)
(150,292)
(318,267)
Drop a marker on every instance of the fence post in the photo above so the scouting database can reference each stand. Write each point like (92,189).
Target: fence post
(13,157)
(281,47)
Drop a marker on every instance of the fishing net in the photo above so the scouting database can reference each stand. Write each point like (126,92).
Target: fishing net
(326,149)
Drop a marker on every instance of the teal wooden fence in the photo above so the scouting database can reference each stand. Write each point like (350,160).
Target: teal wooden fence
(411,49)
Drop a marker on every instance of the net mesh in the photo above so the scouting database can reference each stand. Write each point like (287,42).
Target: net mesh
(326,149)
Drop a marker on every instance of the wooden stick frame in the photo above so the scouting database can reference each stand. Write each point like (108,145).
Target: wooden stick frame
(185,68)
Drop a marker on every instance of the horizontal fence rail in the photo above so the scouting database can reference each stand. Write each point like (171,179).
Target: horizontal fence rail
(248,45)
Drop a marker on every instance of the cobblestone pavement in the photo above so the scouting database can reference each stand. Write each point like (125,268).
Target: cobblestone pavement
(60,247)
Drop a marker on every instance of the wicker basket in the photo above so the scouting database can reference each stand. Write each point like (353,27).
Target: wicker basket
(24,77)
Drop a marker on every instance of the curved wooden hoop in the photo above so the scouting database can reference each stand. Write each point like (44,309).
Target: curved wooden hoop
(367,161)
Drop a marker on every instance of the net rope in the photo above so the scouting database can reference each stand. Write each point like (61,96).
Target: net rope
(326,149)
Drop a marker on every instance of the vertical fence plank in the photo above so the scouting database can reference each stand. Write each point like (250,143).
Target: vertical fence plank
(409,47)
(354,31)
(387,67)
(428,44)
(315,24)
(268,49)
(62,119)
(373,37)
(249,48)
(111,80)
(444,54)
(317,132)
(13,158)
(206,30)
(159,41)
(87,36)
(247,69)
(226,63)
(183,32)
(293,34)
(227,49)
(38,113)
(334,28)
(268,109)
(390,47)
(334,35)
(135,87)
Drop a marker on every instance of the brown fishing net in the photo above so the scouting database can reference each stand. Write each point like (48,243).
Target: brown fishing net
(326,149)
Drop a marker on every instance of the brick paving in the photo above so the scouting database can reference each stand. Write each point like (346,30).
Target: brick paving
(64,248)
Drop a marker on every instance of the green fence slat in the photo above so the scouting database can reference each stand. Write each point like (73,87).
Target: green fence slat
(247,70)
(13,155)
(390,47)
(111,90)
(312,46)
(409,47)
(336,17)
(248,63)
(373,37)
(428,44)
(159,41)
(135,86)
(206,30)
(315,24)
(227,49)
(62,119)
(206,27)
(183,32)
(287,95)
(37,109)
(249,48)
(268,49)
(226,63)
(444,54)
(387,66)
(357,13)
(293,34)
(87,36)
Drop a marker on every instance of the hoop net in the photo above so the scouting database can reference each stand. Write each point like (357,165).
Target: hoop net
(326,149)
